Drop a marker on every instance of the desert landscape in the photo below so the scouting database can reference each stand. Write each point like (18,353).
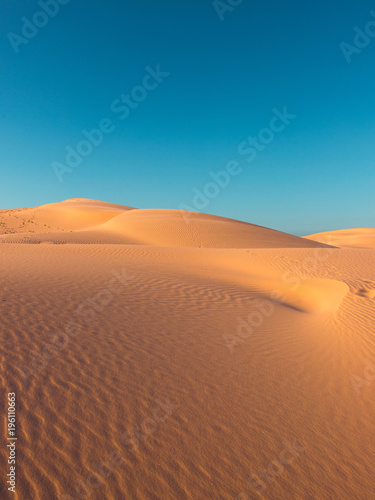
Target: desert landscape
(161,354)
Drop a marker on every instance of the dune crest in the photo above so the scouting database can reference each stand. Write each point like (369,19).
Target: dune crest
(293,290)
(92,221)
(315,295)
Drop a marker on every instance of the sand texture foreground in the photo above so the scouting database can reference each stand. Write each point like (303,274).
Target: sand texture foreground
(157,354)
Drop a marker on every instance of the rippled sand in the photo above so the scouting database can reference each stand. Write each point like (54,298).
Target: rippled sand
(158,354)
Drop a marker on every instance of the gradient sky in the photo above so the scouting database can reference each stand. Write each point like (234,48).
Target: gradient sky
(225,78)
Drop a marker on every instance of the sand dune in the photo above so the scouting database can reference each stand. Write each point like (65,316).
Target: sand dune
(174,228)
(200,359)
(92,221)
(70,215)
(360,238)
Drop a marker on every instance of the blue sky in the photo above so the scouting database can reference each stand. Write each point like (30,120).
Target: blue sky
(225,78)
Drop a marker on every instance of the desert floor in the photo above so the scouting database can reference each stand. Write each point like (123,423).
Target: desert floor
(164,355)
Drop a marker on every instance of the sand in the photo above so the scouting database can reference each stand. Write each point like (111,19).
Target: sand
(157,354)
(356,238)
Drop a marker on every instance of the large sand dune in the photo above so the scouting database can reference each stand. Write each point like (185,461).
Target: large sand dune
(90,221)
(167,355)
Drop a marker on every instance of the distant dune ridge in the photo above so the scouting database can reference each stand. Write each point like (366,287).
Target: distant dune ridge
(228,344)
(94,221)
(357,238)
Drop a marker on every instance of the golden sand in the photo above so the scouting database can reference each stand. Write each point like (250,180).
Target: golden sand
(157,354)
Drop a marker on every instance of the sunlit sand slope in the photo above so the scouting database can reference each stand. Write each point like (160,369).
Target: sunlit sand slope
(70,215)
(361,238)
(191,229)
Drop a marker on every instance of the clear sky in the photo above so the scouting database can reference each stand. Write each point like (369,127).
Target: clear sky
(222,72)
